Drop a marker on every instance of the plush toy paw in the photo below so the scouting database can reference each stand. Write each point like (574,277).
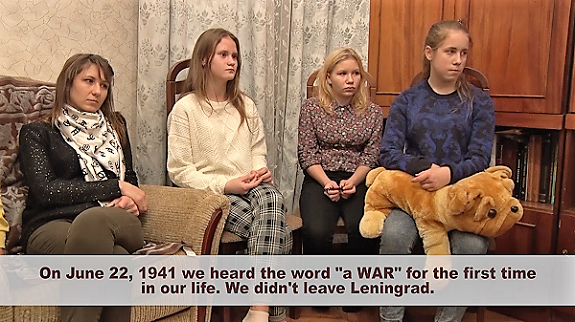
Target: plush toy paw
(371,224)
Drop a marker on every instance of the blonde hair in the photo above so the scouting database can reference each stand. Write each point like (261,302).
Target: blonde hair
(202,56)
(360,100)
(74,66)
(437,34)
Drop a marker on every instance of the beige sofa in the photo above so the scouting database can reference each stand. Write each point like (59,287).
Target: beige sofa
(194,217)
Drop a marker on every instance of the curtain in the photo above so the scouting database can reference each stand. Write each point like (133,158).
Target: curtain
(281,42)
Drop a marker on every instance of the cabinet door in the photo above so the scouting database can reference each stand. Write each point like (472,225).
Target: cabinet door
(519,45)
(566,235)
(396,36)
(563,314)
(533,235)
(572,104)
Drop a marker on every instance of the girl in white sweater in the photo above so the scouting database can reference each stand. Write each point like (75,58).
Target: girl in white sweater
(216,142)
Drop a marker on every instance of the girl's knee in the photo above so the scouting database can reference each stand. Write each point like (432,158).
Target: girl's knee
(89,218)
(268,197)
(317,232)
(464,243)
(97,218)
(396,243)
(273,193)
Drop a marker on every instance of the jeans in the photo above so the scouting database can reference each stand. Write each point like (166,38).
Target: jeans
(399,237)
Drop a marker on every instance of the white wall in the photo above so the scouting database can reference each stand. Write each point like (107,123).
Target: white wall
(37,36)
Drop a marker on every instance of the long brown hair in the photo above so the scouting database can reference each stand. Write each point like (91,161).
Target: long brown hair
(202,56)
(437,34)
(74,66)
(360,100)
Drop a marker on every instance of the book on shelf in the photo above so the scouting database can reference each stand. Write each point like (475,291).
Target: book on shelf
(553,184)
(509,158)
(510,152)
(520,171)
(494,151)
(546,168)
(532,157)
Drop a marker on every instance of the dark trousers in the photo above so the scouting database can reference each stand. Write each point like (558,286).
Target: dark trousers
(99,230)
(320,216)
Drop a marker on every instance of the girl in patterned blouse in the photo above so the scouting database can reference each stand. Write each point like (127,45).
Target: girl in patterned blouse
(339,138)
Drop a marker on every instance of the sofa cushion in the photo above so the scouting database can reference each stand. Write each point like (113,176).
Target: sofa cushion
(52,313)
(21,101)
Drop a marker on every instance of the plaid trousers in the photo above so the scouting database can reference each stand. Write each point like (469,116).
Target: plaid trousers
(260,216)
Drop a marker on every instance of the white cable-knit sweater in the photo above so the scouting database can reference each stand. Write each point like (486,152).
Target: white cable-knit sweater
(206,148)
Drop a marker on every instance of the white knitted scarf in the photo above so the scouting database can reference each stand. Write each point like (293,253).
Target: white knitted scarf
(95,142)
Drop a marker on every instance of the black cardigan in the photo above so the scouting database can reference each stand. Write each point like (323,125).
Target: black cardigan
(57,189)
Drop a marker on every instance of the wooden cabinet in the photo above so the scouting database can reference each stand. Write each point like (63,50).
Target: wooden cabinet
(565,237)
(532,235)
(519,45)
(566,231)
(536,159)
(570,119)
(563,314)
(566,224)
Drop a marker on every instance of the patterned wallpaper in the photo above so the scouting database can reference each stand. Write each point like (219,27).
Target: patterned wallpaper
(37,36)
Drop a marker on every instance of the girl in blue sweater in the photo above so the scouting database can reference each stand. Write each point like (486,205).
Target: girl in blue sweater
(440,130)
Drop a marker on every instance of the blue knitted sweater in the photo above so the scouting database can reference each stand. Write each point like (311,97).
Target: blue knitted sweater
(424,127)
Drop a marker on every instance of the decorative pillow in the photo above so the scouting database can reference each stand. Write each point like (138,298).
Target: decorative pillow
(21,101)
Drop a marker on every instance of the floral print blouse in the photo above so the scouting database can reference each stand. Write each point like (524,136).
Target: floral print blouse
(342,141)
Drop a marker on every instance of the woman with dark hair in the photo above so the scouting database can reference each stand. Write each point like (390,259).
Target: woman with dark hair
(83,196)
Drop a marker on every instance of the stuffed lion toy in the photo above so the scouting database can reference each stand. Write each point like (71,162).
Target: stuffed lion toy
(481,204)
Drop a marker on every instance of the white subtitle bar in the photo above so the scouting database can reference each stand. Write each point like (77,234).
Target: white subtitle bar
(288,280)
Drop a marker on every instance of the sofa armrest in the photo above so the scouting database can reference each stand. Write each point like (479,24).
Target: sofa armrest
(194,217)
(6,313)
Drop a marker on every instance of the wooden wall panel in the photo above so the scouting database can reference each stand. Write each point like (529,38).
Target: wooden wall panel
(520,46)
(533,236)
(572,100)
(565,240)
(399,43)
(456,9)
(568,188)
(520,68)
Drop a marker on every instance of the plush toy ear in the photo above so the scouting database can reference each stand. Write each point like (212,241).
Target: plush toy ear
(500,171)
(504,174)
(462,200)
(485,205)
